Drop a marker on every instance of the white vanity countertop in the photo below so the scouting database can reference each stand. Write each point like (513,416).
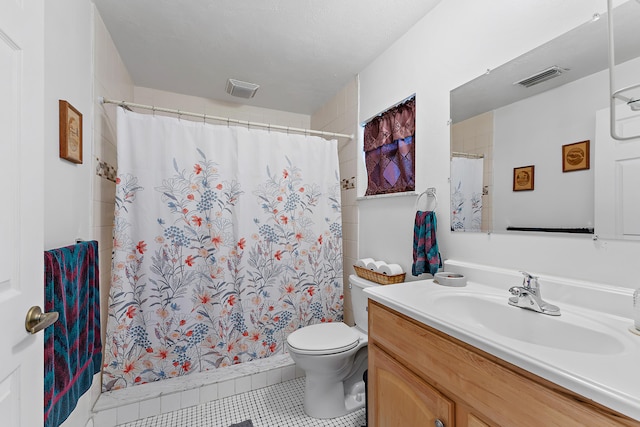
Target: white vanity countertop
(590,352)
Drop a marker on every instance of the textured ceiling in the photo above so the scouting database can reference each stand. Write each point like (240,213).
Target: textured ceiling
(300,52)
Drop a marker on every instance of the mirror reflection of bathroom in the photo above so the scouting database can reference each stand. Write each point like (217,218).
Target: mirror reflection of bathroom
(471,173)
(500,122)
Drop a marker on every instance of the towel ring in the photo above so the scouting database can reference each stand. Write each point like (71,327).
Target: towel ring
(429,192)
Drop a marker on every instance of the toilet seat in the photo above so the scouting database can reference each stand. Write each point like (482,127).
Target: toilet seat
(323,338)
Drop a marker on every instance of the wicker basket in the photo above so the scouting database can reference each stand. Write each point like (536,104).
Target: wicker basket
(374,276)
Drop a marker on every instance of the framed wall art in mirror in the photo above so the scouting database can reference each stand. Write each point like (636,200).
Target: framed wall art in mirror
(575,157)
(524,178)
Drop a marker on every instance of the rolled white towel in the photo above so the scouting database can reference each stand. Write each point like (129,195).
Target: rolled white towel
(375,266)
(390,269)
(363,262)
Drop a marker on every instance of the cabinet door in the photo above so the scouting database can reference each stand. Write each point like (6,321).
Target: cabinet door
(473,421)
(399,398)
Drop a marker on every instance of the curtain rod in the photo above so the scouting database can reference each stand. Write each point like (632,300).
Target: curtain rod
(408,98)
(467,155)
(223,119)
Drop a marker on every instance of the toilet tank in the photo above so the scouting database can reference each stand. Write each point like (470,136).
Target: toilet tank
(359,300)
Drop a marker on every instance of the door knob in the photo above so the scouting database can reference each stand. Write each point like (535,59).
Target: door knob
(37,320)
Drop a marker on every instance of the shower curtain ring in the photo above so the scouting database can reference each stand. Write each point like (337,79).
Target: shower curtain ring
(153,110)
(204,118)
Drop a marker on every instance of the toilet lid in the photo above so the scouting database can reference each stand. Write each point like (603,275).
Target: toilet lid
(324,338)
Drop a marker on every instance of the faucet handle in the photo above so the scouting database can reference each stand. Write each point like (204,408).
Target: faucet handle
(530,282)
(529,276)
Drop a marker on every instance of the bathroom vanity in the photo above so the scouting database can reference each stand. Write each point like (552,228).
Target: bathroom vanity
(445,357)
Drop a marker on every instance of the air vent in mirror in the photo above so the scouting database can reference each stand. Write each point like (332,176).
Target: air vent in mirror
(542,76)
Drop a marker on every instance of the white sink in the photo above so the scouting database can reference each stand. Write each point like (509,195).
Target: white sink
(488,313)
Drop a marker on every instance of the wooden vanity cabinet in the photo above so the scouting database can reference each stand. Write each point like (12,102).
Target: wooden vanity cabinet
(419,375)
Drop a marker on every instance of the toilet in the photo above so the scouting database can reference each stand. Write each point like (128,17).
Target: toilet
(334,358)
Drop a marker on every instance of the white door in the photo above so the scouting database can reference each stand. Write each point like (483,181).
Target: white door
(21,209)
(617,176)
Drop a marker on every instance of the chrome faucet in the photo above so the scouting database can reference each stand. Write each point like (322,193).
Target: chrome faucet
(528,296)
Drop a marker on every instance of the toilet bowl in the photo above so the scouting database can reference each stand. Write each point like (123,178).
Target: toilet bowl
(334,358)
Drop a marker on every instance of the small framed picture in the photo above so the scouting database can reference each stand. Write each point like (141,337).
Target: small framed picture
(575,156)
(70,132)
(523,178)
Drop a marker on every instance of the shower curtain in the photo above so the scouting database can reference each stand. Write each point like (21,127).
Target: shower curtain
(466,194)
(226,239)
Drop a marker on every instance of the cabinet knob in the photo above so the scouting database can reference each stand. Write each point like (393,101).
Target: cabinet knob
(438,423)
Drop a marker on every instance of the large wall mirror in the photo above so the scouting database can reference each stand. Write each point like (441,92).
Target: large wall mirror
(523,135)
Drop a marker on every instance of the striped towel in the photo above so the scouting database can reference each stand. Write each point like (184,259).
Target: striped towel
(72,345)
(426,257)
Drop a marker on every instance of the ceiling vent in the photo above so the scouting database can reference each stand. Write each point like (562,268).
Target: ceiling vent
(241,89)
(542,76)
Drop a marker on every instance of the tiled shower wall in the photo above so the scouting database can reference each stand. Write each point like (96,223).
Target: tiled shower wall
(162,397)
(340,114)
(111,80)
(475,136)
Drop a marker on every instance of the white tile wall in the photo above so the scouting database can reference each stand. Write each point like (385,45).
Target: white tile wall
(258,380)
(242,384)
(112,80)
(128,413)
(106,418)
(170,402)
(340,114)
(190,398)
(208,393)
(142,401)
(274,376)
(288,373)
(299,372)
(475,136)
(226,389)
(149,408)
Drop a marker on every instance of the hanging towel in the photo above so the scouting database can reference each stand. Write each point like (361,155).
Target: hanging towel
(72,346)
(426,257)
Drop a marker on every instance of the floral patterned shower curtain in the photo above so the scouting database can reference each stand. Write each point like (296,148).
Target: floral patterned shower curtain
(466,194)
(226,239)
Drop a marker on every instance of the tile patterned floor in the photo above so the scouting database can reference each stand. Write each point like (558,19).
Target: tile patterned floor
(280,405)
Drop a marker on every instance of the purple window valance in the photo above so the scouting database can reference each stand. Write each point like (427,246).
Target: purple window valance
(390,150)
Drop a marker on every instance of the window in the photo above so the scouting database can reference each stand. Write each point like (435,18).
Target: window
(389,146)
